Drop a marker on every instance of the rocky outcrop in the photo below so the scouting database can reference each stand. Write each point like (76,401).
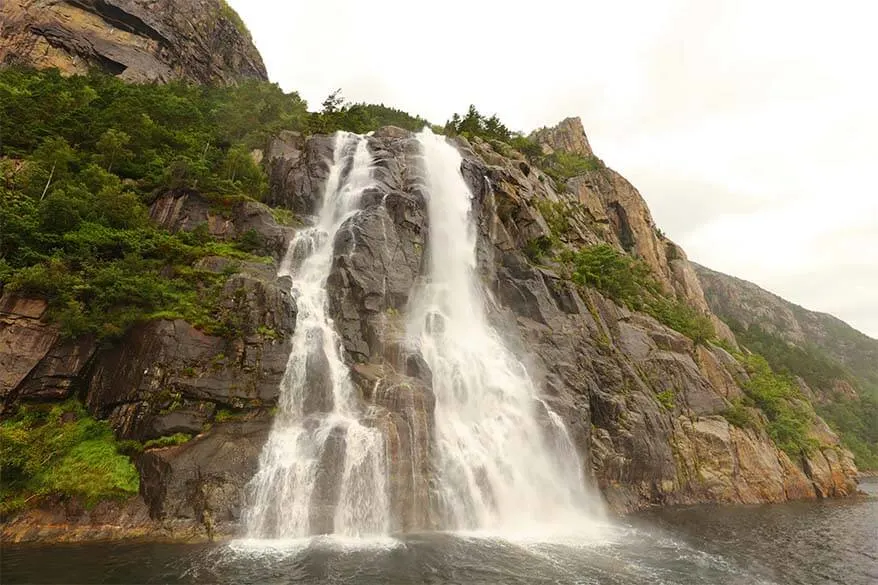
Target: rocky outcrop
(567,136)
(198,489)
(601,204)
(168,376)
(203,41)
(35,362)
(187,210)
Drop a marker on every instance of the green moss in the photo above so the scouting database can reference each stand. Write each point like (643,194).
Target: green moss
(267,333)
(285,217)
(223,415)
(168,441)
(61,450)
(667,398)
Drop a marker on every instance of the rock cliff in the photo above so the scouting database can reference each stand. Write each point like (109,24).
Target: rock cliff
(644,403)
(138,40)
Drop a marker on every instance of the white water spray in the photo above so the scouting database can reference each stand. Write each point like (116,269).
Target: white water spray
(321,470)
(505,462)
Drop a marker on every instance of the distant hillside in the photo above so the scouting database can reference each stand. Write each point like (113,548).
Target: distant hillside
(838,364)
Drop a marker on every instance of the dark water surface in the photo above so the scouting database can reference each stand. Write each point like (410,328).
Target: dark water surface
(800,543)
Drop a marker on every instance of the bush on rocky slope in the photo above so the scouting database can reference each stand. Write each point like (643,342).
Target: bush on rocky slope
(855,418)
(629,282)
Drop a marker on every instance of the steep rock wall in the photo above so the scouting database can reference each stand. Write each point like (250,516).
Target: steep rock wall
(138,40)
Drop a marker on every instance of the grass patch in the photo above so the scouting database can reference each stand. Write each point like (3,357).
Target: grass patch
(168,441)
(61,450)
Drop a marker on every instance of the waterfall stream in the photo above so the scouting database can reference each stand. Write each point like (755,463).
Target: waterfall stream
(505,461)
(321,470)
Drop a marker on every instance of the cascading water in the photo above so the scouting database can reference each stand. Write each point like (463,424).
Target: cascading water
(321,470)
(505,462)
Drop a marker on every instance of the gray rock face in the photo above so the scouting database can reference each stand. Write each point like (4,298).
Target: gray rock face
(164,366)
(747,304)
(628,387)
(138,40)
(642,402)
(187,210)
(198,488)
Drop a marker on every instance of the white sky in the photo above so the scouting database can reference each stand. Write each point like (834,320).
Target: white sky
(749,126)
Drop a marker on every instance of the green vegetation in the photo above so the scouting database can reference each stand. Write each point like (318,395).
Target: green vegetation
(82,157)
(360,118)
(789,413)
(556,214)
(168,441)
(741,416)
(667,398)
(60,450)
(854,419)
(630,282)
(817,369)
(475,124)
(561,165)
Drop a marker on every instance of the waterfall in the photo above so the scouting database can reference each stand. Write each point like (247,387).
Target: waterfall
(321,470)
(504,461)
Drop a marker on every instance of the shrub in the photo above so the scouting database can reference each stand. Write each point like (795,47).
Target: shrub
(562,165)
(789,414)
(683,318)
(629,282)
(537,249)
(740,416)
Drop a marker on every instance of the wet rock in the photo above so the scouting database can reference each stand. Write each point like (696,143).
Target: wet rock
(198,488)
(328,483)
(298,171)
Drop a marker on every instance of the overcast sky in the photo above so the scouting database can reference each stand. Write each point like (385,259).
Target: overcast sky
(749,126)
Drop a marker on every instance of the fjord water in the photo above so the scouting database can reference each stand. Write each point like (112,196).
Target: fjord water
(830,542)
(504,461)
(321,471)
